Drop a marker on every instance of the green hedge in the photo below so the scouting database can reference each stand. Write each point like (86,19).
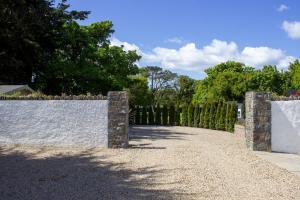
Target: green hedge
(212,115)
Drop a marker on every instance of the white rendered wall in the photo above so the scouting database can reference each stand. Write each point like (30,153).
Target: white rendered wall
(286,126)
(54,122)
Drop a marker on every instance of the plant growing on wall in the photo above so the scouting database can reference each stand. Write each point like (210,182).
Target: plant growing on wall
(165,115)
(150,116)
(191,115)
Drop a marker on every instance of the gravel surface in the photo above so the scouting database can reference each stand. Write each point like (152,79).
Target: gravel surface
(162,163)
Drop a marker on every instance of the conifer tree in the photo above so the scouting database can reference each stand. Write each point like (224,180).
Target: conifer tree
(191,115)
(196,116)
(206,115)
(211,124)
(172,115)
(137,119)
(144,115)
(184,116)
(201,120)
(217,116)
(150,116)
(157,115)
(165,115)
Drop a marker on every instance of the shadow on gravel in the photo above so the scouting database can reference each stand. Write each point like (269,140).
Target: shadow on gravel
(154,133)
(82,176)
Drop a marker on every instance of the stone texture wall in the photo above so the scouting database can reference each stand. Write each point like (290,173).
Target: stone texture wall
(118,119)
(258,121)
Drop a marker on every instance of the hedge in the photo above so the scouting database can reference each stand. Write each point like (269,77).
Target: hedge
(150,116)
(171,115)
(212,115)
(165,116)
(157,115)
(191,115)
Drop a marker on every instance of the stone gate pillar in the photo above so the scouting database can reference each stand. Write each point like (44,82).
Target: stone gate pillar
(118,119)
(258,121)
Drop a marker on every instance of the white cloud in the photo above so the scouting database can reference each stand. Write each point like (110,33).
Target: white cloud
(126,46)
(175,40)
(282,8)
(191,58)
(292,29)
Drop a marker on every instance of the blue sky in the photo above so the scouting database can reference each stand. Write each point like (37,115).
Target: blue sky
(187,36)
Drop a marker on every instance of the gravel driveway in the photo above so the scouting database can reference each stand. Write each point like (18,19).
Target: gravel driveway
(162,163)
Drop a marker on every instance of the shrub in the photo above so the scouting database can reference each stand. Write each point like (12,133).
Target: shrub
(191,115)
(144,115)
(196,116)
(202,112)
(165,115)
(243,111)
(177,116)
(218,115)
(150,115)
(212,113)
(137,119)
(157,115)
(172,115)
(206,115)
(184,116)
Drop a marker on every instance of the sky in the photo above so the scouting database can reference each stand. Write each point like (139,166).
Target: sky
(188,36)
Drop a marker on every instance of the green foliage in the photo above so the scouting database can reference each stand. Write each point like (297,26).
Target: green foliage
(231,116)
(186,89)
(191,115)
(202,113)
(184,115)
(165,115)
(172,115)
(206,115)
(222,119)
(150,115)
(196,116)
(144,115)
(138,91)
(217,115)
(177,116)
(31,31)
(137,119)
(212,113)
(158,115)
(295,75)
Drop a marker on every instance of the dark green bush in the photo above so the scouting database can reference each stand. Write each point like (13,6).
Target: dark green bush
(201,119)
(172,115)
(191,115)
(177,116)
(137,119)
(212,113)
(206,115)
(165,115)
(144,115)
(184,116)
(150,116)
(157,115)
(196,116)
